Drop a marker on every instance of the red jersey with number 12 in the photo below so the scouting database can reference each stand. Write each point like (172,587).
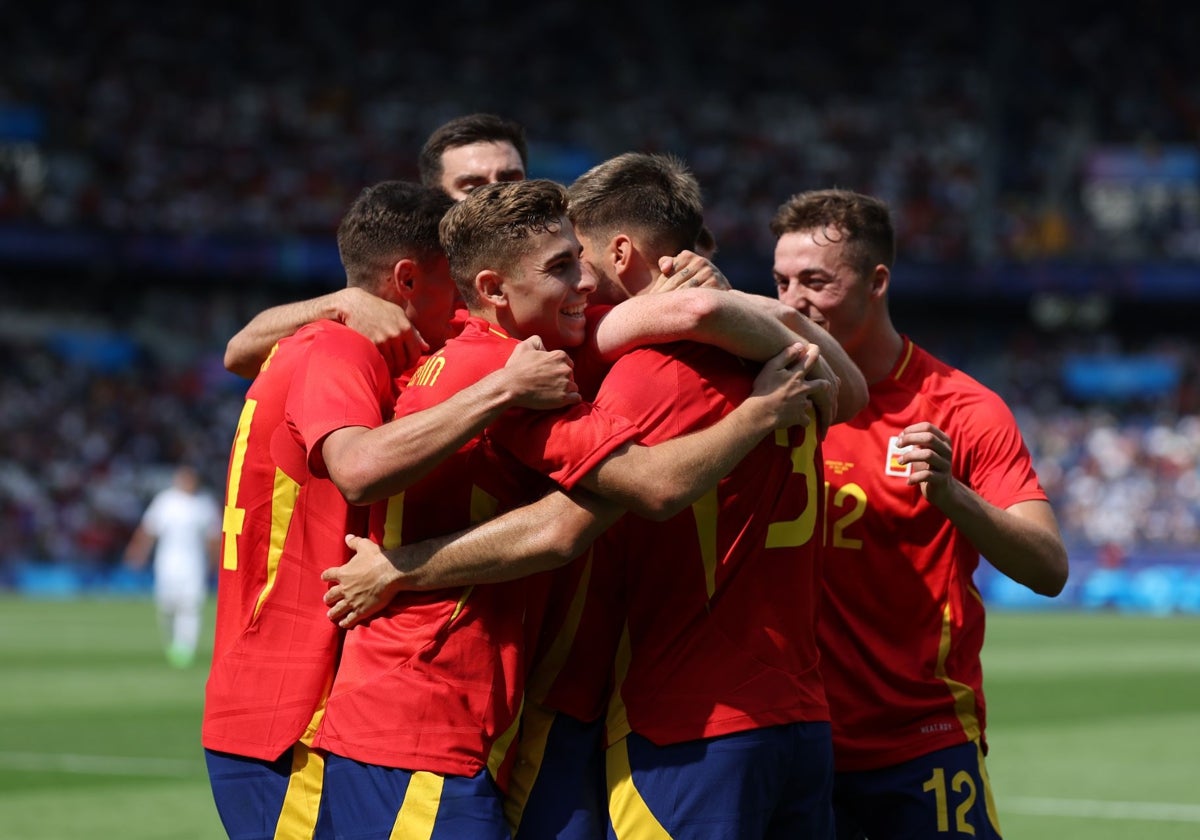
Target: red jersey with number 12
(902,622)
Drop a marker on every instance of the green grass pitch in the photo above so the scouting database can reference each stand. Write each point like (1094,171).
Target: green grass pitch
(1095,726)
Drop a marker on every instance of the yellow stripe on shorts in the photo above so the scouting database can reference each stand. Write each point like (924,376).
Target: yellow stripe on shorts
(630,815)
(302,802)
(419,811)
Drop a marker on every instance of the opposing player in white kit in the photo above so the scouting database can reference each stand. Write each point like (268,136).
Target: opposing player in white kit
(182,525)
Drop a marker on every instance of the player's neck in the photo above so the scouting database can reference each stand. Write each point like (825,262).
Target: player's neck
(877,350)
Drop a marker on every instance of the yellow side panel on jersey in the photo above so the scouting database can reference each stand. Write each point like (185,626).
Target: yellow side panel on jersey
(419,811)
(483,505)
(298,817)
(630,815)
(283,505)
(617,722)
(704,511)
(503,744)
(393,523)
(964,697)
(234,517)
(314,723)
(548,669)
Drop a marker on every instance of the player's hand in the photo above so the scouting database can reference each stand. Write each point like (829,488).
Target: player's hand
(688,269)
(930,454)
(541,378)
(824,393)
(362,585)
(784,385)
(384,323)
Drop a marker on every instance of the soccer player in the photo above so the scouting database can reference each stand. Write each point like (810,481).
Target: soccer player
(727,731)
(181,525)
(312,444)
(458,156)
(473,150)
(424,706)
(932,474)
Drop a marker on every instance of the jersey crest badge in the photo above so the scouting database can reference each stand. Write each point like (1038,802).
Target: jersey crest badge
(893,465)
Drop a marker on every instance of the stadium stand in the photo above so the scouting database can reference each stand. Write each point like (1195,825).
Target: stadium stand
(165,172)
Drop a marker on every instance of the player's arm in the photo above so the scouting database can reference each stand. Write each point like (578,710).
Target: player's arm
(137,552)
(543,535)
(367,465)
(213,547)
(853,391)
(381,321)
(753,327)
(659,481)
(1022,541)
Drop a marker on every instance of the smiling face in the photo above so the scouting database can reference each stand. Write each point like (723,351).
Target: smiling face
(466,167)
(546,290)
(814,276)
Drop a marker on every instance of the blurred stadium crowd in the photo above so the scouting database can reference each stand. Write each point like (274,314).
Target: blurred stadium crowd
(1056,132)
(1004,129)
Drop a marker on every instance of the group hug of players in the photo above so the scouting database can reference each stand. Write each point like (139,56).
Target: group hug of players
(631,554)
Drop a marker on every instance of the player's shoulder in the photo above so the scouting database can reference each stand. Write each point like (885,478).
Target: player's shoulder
(323,337)
(325,331)
(940,379)
(951,390)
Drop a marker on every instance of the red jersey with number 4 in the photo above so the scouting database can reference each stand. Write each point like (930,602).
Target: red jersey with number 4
(284,523)
(721,599)
(436,680)
(902,622)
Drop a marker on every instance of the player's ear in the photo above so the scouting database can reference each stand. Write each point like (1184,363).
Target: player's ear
(403,279)
(622,252)
(491,288)
(880,279)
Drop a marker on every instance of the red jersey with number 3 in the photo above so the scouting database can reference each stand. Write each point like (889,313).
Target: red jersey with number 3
(902,622)
(436,680)
(720,599)
(284,523)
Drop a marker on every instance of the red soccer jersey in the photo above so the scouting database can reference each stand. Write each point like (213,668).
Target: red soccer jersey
(902,622)
(721,599)
(284,522)
(570,664)
(436,680)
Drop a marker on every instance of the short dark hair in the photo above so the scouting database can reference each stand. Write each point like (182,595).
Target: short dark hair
(655,195)
(863,222)
(463,131)
(491,227)
(389,221)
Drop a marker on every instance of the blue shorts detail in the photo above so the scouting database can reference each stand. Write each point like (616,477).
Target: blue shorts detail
(943,794)
(253,801)
(564,761)
(368,802)
(773,782)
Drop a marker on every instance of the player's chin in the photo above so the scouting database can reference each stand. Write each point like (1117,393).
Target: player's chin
(571,331)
